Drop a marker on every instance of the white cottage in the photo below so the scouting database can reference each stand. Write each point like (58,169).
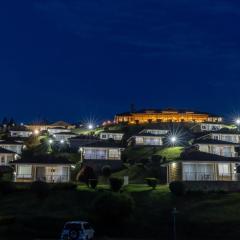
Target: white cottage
(148,139)
(155,131)
(212,146)
(14,146)
(56,130)
(101,151)
(201,166)
(210,126)
(7,156)
(64,136)
(226,136)
(116,136)
(21,133)
(47,170)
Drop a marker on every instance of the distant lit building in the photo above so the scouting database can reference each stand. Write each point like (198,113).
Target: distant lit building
(167,115)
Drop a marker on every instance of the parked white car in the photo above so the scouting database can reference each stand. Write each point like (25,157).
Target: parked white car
(77,231)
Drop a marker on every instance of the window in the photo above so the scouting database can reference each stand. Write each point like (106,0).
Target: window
(113,154)
(139,140)
(215,137)
(25,171)
(2,160)
(223,169)
(9,158)
(104,136)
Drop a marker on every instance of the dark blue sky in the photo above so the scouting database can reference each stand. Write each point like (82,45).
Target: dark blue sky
(92,58)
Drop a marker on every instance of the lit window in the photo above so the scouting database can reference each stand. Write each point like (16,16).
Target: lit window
(223,169)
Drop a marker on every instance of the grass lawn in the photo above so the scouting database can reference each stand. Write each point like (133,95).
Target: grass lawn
(170,153)
(22,212)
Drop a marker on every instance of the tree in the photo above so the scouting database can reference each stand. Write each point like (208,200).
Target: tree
(85,174)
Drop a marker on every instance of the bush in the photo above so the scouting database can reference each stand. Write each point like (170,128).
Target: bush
(7,187)
(106,171)
(93,183)
(86,173)
(151,182)
(41,189)
(113,208)
(116,184)
(177,188)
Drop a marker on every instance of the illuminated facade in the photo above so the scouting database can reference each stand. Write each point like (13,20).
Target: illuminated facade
(168,115)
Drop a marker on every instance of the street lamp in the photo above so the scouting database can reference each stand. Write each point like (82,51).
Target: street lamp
(238,123)
(173,139)
(174,213)
(90,126)
(36,132)
(50,141)
(62,141)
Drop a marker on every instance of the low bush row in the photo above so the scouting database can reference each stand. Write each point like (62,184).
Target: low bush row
(180,187)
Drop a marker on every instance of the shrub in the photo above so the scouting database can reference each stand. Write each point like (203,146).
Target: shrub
(151,182)
(7,187)
(93,183)
(177,188)
(113,207)
(106,171)
(41,189)
(116,184)
(86,173)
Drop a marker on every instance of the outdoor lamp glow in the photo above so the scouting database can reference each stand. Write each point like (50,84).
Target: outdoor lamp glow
(50,141)
(36,132)
(238,121)
(173,139)
(90,126)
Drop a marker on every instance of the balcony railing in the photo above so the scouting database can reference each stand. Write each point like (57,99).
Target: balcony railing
(46,178)
(101,157)
(201,176)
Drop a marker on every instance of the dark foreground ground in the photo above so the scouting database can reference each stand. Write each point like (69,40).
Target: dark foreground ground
(23,215)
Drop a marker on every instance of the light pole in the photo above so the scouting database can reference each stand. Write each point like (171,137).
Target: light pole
(173,140)
(237,123)
(174,213)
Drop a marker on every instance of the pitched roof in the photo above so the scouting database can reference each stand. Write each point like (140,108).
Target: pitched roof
(226,131)
(43,160)
(60,123)
(213,141)
(20,129)
(154,111)
(66,133)
(150,135)
(203,156)
(82,136)
(103,144)
(5,151)
(112,131)
(10,142)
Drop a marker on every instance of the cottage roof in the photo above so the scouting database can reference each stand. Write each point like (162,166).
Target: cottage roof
(203,156)
(213,141)
(43,160)
(5,151)
(103,144)
(10,142)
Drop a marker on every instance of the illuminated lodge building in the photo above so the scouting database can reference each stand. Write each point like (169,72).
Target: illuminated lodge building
(167,115)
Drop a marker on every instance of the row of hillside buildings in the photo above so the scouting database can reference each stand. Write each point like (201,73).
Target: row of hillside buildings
(213,153)
(166,115)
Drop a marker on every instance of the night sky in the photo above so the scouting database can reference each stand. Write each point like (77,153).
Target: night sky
(74,60)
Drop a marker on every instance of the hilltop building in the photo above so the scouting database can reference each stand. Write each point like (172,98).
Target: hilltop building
(166,115)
